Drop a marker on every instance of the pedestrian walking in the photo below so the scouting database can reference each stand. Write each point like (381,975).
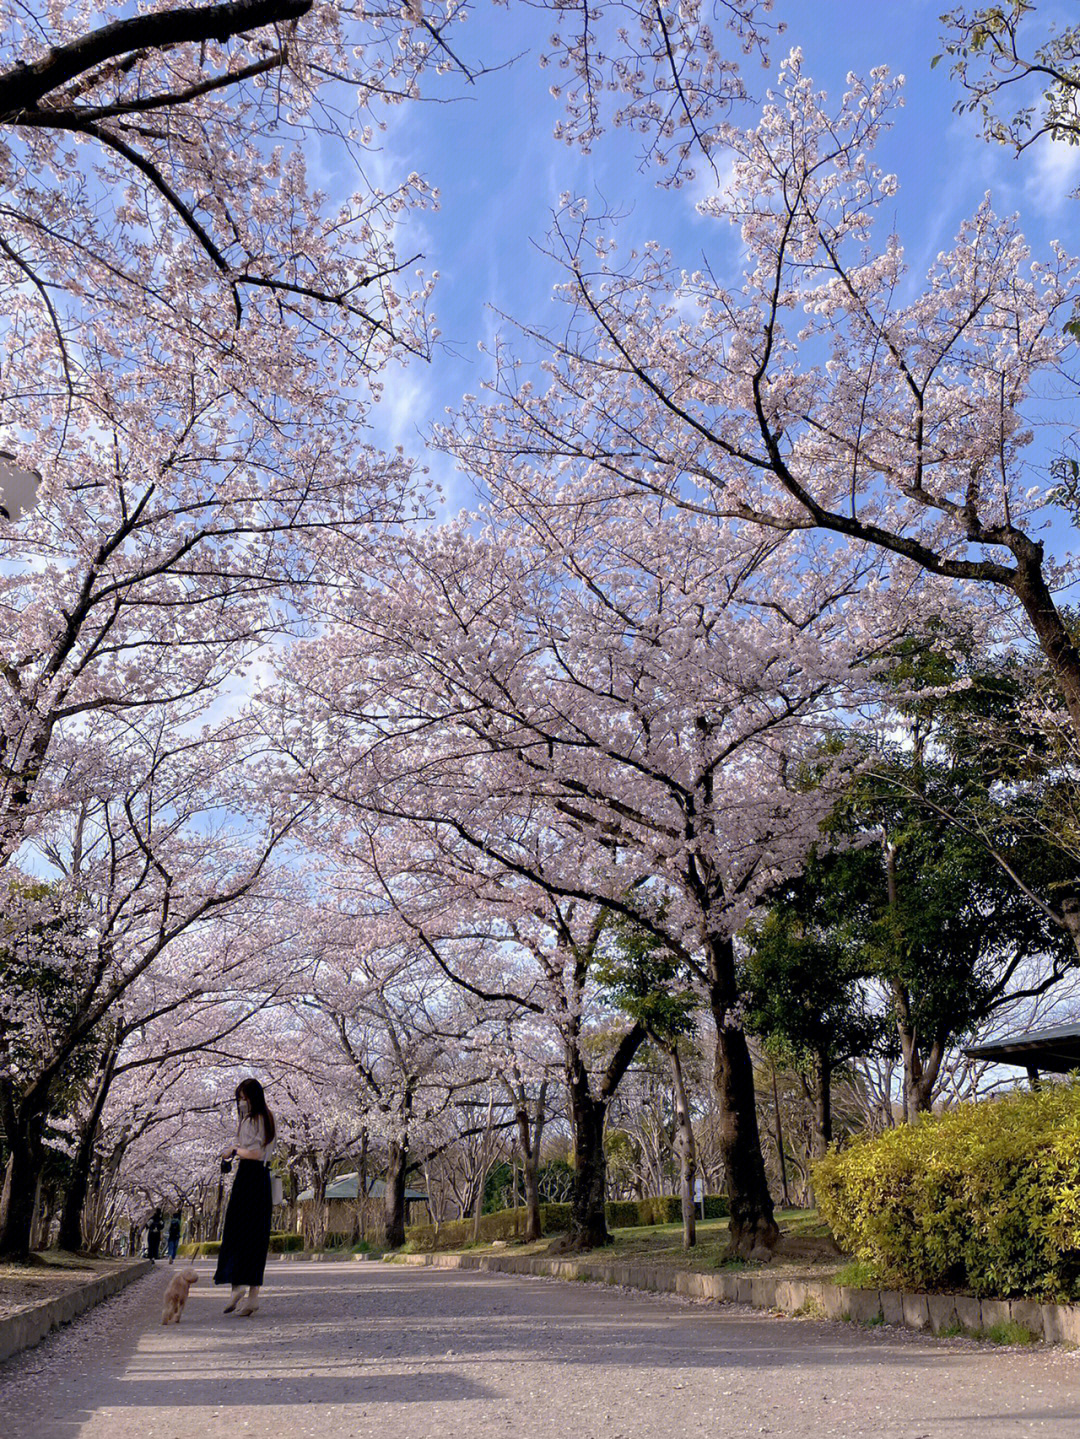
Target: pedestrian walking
(172,1242)
(245,1237)
(153,1235)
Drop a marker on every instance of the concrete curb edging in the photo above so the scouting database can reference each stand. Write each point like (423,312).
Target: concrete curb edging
(937,1313)
(27,1326)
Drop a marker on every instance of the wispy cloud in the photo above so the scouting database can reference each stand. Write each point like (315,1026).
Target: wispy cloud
(1055,174)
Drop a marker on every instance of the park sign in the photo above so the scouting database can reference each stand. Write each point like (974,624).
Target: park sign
(18,488)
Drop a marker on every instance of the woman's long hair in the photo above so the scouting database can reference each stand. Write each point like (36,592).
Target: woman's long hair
(252,1091)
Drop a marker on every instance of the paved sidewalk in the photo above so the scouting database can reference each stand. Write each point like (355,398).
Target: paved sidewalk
(363,1350)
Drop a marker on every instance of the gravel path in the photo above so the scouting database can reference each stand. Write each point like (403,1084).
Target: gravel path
(360,1350)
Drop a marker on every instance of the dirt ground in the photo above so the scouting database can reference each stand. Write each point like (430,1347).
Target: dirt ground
(22,1285)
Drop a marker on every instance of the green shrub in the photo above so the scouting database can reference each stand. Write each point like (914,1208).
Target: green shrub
(286,1243)
(985,1197)
(503,1224)
(555,1219)
(207,1249)
(660,1209)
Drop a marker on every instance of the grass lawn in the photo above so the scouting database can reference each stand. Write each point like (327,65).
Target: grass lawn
(804,1248)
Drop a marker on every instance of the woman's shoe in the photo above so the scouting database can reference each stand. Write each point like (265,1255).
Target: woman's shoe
(234,1301)
(248,1308)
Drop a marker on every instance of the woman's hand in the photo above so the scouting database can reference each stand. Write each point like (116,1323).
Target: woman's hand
(228,1151)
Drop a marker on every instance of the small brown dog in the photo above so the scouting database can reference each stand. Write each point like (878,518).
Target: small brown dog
(176,1295)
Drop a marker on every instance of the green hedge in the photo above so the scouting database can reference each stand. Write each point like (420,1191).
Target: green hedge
(209,1248)
(555,1219)
(985,1197)
(659,1209)
(206,1250)
(286,1243)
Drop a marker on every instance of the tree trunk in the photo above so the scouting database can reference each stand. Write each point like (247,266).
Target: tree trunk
(588,1116)
(19,1195)
(588,1220)
(686,1149)
(916,1097)
(823,1107)
(1053,633)
(780,1141)
(485,1164)
(71,1226)
(753,1229)
(362,1184)
(529,1137)
(396,1162)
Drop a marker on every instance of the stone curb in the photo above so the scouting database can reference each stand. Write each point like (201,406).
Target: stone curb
(934,1313)
(27,1326)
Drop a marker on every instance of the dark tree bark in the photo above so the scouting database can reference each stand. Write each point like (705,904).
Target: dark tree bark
(588,1219)
(780,1141)
(397,1159)
(823,1131)
(19,1195)
(588,1116)
(71,1228)
(25,86)
(530,1132)
(530,1163)
(686,1150)
(753,1229)
(362,1185)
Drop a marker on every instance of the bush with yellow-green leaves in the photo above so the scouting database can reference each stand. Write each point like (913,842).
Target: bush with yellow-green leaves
(985,1197)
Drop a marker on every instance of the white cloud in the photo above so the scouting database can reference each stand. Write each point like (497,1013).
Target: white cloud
(1055,174)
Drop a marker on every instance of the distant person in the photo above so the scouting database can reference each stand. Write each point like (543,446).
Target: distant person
(245,1238)
(153,1236)
(172,1241)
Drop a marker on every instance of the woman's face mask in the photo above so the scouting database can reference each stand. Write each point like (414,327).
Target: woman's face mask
(244,1105)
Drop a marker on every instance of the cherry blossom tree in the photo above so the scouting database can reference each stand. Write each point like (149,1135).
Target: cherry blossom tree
(150,861)
(200,1002)
(610,699)
(813,396)
(400,1030)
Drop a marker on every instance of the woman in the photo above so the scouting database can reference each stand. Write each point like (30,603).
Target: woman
(245,1238)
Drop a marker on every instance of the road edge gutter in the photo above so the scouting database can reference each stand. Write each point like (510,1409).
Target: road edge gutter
(27,1327)
(944,1314)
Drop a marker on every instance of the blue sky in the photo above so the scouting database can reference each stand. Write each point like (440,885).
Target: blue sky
(500,172)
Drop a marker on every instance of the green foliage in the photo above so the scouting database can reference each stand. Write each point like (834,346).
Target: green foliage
(804,965)
(984,1198)
(659,1209)
(1008,1331)
(286,1243)
(999,55)
(555,1181)
(210,1248)
(207,1249)
(503,1224)
(508,1224)
(857,1275)
(645,980)
(970,788)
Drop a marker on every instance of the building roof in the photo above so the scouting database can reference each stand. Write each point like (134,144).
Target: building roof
(1056,1050)
(347,1186)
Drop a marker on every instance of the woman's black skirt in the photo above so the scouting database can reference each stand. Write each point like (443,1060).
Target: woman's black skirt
(246,1235)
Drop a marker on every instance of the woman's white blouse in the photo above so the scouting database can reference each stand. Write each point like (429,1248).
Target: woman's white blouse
(252,1135)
